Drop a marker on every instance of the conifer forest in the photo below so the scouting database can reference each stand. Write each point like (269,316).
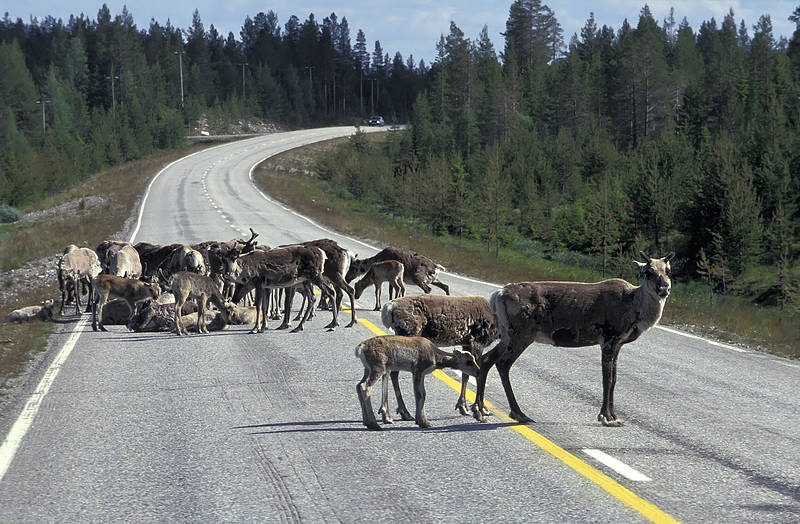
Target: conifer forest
(652,135)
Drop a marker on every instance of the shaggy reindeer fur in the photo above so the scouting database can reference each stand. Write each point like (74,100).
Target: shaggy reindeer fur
(446,321)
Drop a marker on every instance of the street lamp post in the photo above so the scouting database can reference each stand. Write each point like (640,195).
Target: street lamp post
(180,65)
(42,101)
(310,68)
(113,77)
(372,95)
(244,64)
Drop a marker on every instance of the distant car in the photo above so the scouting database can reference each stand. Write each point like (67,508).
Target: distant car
(376,120)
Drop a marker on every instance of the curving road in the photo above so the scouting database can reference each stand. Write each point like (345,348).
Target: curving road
(239,427)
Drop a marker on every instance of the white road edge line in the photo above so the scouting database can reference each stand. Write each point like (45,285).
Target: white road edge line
(617,465)
(712,342)
(20,428)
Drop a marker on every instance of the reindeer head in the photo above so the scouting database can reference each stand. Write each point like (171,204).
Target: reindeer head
(231,269)
(656,273)
(357,268)
(465,362)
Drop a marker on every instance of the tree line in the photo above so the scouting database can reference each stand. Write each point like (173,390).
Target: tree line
(652,136)
(82,95)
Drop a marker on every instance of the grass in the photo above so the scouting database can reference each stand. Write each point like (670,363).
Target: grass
(732,319)
(121,186)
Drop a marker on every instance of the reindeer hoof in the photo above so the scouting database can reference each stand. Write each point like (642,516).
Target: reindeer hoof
(283,326)
(298,329)
(461,408)
(404,414)
(520,417)
(609,423)
(374,427)
(352,323)
(424,424)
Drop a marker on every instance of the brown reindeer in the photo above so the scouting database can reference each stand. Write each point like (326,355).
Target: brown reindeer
(76,268)
(390,354)
(610,313)
(187,285)
(337,264)
(419,269)
(390,271)
(280,268)
(112,286)
(446,321)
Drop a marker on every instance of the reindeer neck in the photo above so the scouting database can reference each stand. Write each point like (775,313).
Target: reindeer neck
(649,305)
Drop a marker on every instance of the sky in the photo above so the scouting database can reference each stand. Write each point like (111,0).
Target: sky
(412,27)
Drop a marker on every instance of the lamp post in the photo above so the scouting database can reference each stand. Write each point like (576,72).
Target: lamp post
(310,68)
(113,77)
(42,101)
(180,65)
(243,64)
(372,95)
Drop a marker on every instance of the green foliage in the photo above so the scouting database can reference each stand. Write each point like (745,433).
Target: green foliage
(9,214)
(113,93)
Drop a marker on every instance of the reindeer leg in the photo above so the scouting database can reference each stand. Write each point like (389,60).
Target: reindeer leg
(419,397)
(343,287)
(309,293)
(364,390)
(302,314)
(90,298)
(266,298)
(378,286)
(401,406)
(201,316)
(488,360)
(287,307)
(77,297)
(328,290)
(258,309)
(179,329)
(610,350)
(504,363)
(384,411)
(444,287)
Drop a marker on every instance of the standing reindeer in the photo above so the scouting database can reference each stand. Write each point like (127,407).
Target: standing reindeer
(392,353)
(131,290)
(570,314)
(187,285)
(390,271)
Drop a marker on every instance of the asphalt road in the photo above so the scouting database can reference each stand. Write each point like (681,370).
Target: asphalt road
(233,426)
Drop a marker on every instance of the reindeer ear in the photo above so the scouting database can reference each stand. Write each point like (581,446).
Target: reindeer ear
(638,266)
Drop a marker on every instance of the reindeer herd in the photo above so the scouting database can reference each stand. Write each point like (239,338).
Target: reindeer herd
(150,287)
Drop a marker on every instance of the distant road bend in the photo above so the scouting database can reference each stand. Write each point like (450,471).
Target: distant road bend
(233,426)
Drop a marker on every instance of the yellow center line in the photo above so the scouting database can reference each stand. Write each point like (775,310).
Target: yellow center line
(648,510)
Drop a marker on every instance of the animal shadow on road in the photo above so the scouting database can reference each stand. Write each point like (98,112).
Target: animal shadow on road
(357,425)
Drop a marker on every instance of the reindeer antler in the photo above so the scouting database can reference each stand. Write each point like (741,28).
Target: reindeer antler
(645,255)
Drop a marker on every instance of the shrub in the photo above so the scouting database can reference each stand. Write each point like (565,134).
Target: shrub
(9,214)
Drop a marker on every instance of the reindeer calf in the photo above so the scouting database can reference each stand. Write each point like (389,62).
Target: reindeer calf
(131,290)
(386,271)
(187,285)
(391,353)
(44,311)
